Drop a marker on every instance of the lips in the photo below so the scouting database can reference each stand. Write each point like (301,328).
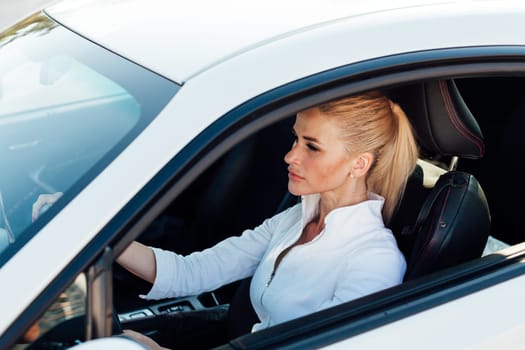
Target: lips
(293,176)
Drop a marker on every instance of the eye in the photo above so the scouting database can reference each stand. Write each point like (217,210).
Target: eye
(312,147)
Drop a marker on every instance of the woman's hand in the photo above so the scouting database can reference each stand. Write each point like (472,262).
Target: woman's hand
(43,202)
(141,338)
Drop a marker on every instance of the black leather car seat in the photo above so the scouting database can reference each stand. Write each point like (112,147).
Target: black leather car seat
(453,223)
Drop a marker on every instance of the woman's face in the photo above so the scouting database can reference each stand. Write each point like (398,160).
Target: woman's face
(318,161)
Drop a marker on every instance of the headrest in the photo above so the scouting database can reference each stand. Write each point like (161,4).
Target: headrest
(442,122)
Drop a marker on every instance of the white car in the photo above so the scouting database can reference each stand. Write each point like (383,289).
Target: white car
(167,122)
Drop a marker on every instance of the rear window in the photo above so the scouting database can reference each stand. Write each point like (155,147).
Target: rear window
(67,108)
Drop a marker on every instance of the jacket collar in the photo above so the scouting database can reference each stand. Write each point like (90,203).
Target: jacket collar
(366,213)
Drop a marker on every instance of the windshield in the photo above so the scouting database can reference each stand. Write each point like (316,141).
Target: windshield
(67,108)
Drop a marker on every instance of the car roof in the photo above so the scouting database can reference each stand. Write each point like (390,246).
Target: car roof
(181,39)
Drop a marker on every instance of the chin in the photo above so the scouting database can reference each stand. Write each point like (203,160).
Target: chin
(296,191)
(293,190)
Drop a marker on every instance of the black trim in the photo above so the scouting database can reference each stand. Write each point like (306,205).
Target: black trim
(246,119)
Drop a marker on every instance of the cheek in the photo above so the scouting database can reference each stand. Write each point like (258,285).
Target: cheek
(331,170)
(335,175)
(320,175)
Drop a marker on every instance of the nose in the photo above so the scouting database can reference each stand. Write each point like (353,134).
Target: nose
(292,156)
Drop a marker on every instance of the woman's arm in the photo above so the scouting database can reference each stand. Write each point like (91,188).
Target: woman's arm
(370,272)
(230,260)
(174,275)
(140,261)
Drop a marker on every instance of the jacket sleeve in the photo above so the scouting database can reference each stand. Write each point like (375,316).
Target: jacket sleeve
(232,259)
(367,273)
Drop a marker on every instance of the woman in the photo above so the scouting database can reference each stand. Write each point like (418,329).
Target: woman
(349,163)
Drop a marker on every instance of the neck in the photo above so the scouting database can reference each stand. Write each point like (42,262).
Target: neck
(330,201)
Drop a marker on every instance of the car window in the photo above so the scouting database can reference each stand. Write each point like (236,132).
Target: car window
(67,108)
(64,316)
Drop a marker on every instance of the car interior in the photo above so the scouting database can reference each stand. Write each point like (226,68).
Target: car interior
(455,204)
(443,220)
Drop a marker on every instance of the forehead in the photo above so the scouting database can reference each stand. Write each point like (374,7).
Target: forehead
(313,124)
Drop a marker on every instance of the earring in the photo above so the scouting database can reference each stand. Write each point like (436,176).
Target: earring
(351,175)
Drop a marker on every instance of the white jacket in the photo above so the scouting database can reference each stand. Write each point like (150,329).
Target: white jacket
(353,256)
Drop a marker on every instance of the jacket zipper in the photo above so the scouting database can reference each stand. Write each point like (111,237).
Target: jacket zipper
(275,268)
(270,279)
(267,285)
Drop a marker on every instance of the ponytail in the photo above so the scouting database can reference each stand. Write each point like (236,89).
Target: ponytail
(395,163)
(370,122)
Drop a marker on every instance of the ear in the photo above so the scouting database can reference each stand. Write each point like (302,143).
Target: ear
(362,164)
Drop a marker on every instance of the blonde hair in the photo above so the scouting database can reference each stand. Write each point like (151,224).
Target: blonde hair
(371,122)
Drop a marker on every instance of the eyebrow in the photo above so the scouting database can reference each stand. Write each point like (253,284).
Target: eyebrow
(307,138)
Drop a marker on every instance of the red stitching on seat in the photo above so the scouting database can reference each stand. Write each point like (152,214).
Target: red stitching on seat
(456,121)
